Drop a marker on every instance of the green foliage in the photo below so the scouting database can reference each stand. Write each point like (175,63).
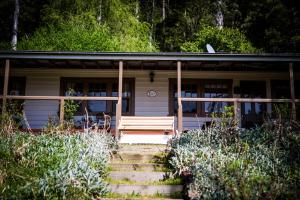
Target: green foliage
(263,162)
(70,106)
(222,40)
(12,118)
(82,28)
(54,166)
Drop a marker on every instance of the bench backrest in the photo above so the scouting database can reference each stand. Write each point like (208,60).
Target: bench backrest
(146,123)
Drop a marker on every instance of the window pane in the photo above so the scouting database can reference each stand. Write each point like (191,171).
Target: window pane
(97,90)
(126,96)
(74,89)
(215,89)
(190,91)
(252,113)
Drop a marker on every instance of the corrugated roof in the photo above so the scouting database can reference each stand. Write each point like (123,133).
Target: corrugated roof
(159,56)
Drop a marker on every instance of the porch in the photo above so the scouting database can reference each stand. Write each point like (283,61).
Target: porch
(163,84)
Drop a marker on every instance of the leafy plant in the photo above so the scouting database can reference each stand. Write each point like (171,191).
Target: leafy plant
(262,162)
(70,106)
(54,166)
(223,40)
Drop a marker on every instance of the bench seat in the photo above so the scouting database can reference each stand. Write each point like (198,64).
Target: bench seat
(133,123)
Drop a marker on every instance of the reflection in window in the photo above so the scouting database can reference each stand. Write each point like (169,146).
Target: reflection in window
(126,96)
(201,88)
(190,91)
(252,113)
(75,89)
(215,90)
(97,90)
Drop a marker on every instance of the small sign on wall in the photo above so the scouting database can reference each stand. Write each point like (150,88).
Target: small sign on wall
(151,93)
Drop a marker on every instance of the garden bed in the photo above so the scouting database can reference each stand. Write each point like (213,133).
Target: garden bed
(54,166)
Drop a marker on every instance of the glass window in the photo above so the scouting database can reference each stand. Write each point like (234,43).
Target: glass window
(126,97)
(16,85)
(252,113)
(215,90)
(187,90)
(200,88)
(98,88)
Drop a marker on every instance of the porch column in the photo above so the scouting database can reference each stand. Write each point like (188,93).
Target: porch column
(5,86)
(237,105)
(179,115)
(119,104)
(62,111)
(269,96)
(292,91)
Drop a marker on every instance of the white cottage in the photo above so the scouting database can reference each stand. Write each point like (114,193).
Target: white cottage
(162,93)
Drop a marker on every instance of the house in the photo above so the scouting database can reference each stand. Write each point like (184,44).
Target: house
(188,86)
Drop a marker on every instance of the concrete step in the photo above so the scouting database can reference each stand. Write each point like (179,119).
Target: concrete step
(144,139)
(137,167)
(142,148)
(145,189)
(139,176)
(135,158)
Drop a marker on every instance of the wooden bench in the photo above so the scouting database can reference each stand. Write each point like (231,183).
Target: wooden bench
(133,123)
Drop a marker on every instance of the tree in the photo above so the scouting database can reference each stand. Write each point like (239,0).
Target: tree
(222,40)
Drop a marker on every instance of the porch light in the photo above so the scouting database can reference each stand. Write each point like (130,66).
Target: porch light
(151,75)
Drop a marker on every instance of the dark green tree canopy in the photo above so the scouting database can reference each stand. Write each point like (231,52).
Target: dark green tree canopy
(153,25)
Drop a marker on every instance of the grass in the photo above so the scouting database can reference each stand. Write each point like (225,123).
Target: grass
(168,181)
(175,195)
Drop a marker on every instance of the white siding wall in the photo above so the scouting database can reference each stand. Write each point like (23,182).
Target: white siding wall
(38,111)
(151,106)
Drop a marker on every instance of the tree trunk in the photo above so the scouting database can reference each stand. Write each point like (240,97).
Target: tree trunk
(219,15)
(15,26)
(163,9)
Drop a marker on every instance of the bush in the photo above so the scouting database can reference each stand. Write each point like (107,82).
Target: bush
(54,166)
(263,162)
(222,40)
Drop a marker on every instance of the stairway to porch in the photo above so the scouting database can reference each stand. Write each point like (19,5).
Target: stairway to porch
(140,172)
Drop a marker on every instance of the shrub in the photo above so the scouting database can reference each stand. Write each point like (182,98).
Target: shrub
(54,166)
(226,39)
(263,162)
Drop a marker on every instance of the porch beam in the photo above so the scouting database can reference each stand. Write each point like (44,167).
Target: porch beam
(179,114)
(5,86)
(119,104)
(292,84)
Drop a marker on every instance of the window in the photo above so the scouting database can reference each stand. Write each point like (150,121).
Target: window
(252,113)
(99,88)
(16,85)
(199,88)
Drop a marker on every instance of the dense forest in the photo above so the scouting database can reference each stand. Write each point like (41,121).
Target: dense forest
(152,25)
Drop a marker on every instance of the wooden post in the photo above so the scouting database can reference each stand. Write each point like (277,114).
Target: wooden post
(269,96)
(179,116)
(292,91)
(5,86)
(119,104)
(236,112)
(61,111)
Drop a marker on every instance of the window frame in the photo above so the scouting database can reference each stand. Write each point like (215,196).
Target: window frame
(200,83)
(109,89)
